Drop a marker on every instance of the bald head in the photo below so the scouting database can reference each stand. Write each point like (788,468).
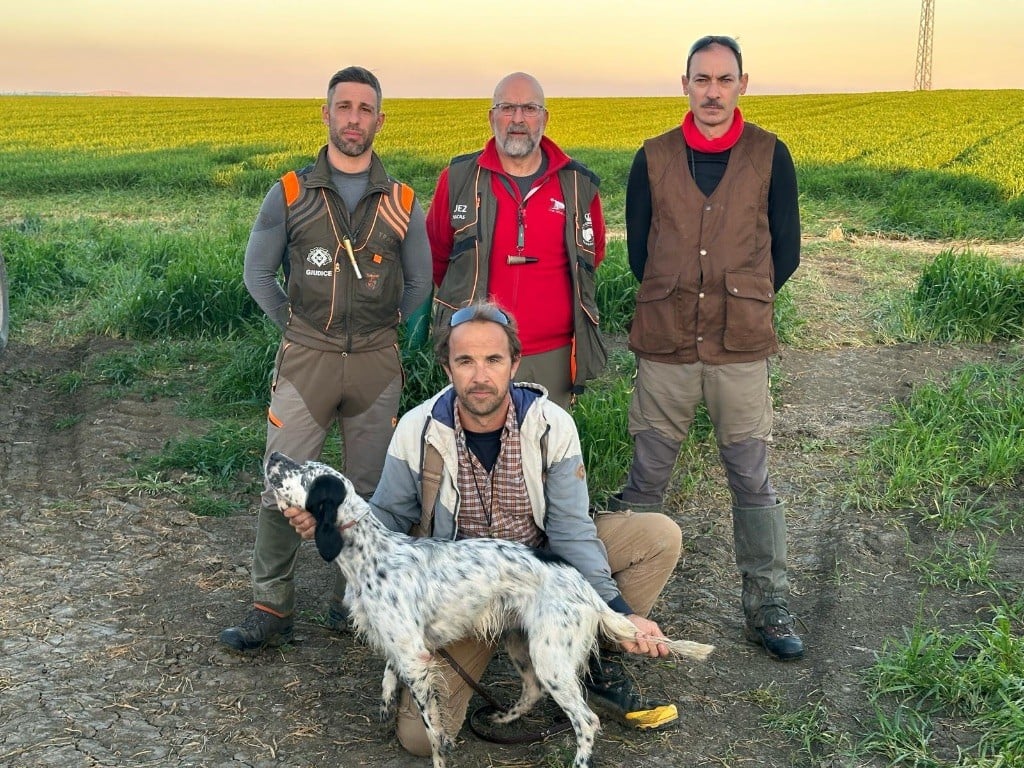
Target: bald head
(519,83)
(518,119)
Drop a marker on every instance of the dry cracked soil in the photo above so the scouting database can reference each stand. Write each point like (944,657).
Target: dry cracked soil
(111,600)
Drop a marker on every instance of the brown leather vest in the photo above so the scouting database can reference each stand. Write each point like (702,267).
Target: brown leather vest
(707,291)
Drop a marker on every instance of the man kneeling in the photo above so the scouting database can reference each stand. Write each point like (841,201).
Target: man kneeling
(500,460)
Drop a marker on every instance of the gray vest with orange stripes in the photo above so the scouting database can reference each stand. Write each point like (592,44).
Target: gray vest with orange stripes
(344,269)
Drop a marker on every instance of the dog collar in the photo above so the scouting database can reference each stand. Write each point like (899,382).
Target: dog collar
(350,523)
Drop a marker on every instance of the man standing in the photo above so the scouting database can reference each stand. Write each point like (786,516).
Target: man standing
(520,223)
(353,246)
(713,232)
(508,465)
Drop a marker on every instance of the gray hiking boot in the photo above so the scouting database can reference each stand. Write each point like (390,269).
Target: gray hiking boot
(259,629)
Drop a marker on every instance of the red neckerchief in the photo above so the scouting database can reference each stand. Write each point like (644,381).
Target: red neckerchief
(701,143)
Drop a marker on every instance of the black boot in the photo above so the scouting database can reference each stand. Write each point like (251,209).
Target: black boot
(611,691)
(337,618)
(616,504)
(258,629)
(777,635)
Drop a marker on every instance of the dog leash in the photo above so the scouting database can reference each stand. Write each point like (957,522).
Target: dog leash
(492,706)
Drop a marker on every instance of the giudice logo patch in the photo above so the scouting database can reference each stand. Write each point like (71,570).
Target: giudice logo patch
(319,257)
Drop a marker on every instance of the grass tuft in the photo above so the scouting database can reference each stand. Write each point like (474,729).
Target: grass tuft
(965,296)
(949,440)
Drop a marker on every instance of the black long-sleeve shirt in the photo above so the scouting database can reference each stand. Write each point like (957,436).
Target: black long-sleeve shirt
(707,170)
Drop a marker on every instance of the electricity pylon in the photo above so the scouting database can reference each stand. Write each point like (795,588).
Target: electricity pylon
(923,73)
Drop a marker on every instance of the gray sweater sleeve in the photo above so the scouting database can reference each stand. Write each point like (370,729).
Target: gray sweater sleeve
(417,268)
(264,255)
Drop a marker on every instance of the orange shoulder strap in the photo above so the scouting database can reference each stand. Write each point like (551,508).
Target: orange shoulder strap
(290,184)
(405,196)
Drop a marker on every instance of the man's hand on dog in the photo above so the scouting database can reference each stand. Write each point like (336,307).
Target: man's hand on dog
(646,645)
(302,521)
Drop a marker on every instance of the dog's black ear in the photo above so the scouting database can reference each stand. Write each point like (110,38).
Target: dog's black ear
(325,495)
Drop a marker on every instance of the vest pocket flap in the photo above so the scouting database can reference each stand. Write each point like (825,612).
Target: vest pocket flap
(656,288)
(656,328)
(749,304)
(749,285)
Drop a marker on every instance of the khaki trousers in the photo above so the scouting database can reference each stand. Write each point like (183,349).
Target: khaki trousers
(312,390)
(550,370)
(663,408)
(643,549)
(737,397)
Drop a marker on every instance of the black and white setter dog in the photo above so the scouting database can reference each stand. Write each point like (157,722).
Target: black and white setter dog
(412,596)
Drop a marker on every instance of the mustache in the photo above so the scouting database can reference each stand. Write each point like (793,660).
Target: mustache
(712,103)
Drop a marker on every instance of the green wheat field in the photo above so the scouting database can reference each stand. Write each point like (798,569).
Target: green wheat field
(916,163)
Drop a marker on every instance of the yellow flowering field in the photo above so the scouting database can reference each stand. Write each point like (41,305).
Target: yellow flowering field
(968,132)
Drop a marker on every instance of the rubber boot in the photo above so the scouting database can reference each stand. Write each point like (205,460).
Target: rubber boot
(759,534)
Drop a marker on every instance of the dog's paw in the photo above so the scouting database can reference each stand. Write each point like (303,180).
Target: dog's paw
(388,707)
(447,744)
(388,710)
(503,718)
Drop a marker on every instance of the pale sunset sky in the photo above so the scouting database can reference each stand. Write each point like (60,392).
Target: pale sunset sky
(273,49)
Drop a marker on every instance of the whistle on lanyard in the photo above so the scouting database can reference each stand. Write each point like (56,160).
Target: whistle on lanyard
(352,257)
(520,242)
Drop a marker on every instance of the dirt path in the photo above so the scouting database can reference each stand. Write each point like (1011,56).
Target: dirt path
(1010,250)
(110,602)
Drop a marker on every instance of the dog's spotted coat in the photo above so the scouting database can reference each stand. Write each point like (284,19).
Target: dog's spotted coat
(411,596)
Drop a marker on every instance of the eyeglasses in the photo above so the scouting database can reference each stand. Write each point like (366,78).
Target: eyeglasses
(530,109)
(707,40)
(474,312)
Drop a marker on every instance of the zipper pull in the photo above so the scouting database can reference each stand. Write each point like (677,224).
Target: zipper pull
(352,257)
(521,239)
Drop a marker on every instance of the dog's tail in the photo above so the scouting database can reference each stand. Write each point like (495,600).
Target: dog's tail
(619,629)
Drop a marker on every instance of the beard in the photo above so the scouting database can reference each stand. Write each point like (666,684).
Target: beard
(519,141)
(482,407)
(351,147)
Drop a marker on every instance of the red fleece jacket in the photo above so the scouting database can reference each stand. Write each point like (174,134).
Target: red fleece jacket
(538,294)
